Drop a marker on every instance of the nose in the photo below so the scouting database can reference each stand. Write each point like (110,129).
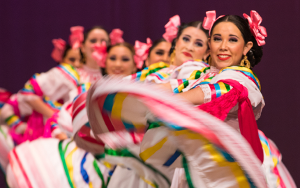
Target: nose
(166,57)
(223,46)
(118,63)
(77,64)
(190,46)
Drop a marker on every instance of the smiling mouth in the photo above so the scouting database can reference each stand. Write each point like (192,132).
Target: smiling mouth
(223,57)
(117,72)
(187,54)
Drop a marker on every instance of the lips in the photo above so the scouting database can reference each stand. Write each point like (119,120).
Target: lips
(223,57)
(117,72)
(187,54)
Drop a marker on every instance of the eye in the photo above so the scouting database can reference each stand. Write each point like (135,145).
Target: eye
(72,59)
(93,40)
(125,59)
(217,39)
(103,40)
(186,39)
(199,44)
(159,52)
(233,39)
(112,58)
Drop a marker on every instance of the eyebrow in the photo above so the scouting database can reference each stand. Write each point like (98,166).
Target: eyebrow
(187,35)
(231,35)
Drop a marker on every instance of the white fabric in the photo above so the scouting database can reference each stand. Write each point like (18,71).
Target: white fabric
(186,69)
(6,145)
(89,75)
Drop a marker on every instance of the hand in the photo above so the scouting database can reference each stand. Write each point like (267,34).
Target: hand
(61,136)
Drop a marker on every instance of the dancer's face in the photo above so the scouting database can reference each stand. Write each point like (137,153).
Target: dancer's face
(191,45)
(159,53)
(96,36)
(73,58)
(227,46)
(120,61)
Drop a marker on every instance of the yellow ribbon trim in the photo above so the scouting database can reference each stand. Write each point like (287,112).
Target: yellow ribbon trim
(217,157)
(70,165)
(147,153)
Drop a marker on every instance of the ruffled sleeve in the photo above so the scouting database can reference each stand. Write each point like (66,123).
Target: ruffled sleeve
(55,84)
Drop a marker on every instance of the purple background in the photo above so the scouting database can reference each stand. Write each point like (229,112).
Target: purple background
(27,28)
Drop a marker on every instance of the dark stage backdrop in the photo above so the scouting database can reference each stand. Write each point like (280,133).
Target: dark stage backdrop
(27,28)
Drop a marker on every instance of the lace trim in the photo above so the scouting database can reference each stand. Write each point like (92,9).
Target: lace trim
(207,92)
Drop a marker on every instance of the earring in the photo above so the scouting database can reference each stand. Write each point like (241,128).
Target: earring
(245,62)
(209,61)
(172,57)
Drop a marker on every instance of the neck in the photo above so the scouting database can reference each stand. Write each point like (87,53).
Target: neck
(91,63)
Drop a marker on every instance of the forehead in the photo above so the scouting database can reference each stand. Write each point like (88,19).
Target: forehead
(73,52)
(120,50)
(194,33)
(227,28)
(97,33)
(164,45)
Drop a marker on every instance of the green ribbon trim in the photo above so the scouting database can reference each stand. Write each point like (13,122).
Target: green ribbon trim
(155,70)
(153,125)
(127,153)
(100,156)
(97,169)
(186,170)
(5,135)
(62,157)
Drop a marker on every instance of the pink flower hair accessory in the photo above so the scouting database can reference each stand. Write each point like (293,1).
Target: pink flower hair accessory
(116,36)
(172,28)
(100,53)
(210,19)
(259,32)
(141,52)
(59,48)
(76,37)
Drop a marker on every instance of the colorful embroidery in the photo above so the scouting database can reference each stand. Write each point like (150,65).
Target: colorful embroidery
(70,72)
(141,76)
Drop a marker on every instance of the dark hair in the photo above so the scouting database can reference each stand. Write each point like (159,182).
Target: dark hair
(95,27)
(125,44)
(256,52)
(182,27)
(68,48)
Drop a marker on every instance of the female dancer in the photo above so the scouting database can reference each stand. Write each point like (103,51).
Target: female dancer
(214,154)
(158,52)
(189,45)
(90,71)
(120,63)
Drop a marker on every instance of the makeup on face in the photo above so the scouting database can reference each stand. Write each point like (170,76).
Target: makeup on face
(95,36)
(226,45)
(191,45)
(160,53)
(120,61)
(73,58)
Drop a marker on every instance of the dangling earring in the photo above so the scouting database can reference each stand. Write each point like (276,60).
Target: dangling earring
(172,57)
(209,61)
(245,62)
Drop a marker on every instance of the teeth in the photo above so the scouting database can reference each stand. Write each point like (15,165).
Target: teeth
(223,56)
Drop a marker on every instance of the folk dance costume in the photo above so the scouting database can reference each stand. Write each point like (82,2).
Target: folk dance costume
(115,106)
(67,164)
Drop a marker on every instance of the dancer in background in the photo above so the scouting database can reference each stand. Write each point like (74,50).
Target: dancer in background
(90,71)
(188,52)
(158,52)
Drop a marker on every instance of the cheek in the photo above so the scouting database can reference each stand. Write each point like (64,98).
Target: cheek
(199,52)
(238,50)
